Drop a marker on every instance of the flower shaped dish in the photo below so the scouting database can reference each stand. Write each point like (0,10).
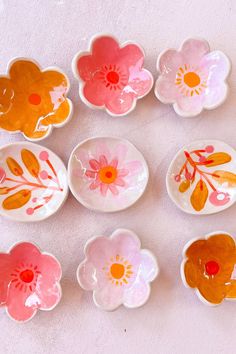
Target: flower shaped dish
(111,76)
(107,174)
(192,78)
(117,270)
(33,182)
(202,177)
(209,267)
(32,100)
(29,280)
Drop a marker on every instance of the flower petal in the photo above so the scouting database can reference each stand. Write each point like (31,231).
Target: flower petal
(119,182)
(86,66)
(166,90)
(46,295)
(215,95)
(140,82)
(94,185)
(120,103)
(27,251)
(105,49)
(133,167)
(189,106)
(95,92)
(86,274)
(103,161)
(126,242)
(217,65)
(114,163)
(49,268)
(121,152)
(102,149)
(169,63)
(103,189)
(108,297)
(137,294)
(193,50)
(24,73)
(94,164)
(6,267)
(113,189)
(131,54)
(123,172)
(99,251)
(148,266)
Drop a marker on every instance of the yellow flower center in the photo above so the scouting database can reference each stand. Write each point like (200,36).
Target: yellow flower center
(192,79)
(108,174)
(117,270)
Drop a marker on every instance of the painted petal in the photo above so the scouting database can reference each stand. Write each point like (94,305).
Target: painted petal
(94,164)
(102,149)
(193,50)
(120,103)
(169,63)
(86,273)
(103,189)
(214,96)
(120,182)
(121,152)
(24,73)
(123,172)
(6,267)
(113,189)
(27,251)
(86,67)
(95,92)
(148,266)
(137,294)
(105,49)
(140,82)
(94,185)
(125,242)
(46,296)
(98,251)
(166,90)
(108,297)
(17,306)
(90,174)
(217,65)
(131,54)
(103,161)
(114,163)
(2,175)
(49,268)
(189,106)
(133,167)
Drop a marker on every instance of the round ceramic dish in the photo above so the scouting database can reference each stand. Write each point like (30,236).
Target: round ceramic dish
(33,182)
(208,267)
(201,178)
(111,76)
(107,174)
(192,78)
(117,270)
(32,100)
(30,281)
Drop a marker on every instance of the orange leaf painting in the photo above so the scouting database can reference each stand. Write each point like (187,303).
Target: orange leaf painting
(225,177)
(184,186)
(218,158)
(17,200)
(199,196)
(31,162)
(14,167)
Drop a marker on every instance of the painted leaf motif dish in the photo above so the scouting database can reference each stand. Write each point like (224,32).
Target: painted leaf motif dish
(208,267)
(111,76)
(107,174)
(32,100)
(33,182)
(117,270)
(192,78)
(29,281)
(202,177)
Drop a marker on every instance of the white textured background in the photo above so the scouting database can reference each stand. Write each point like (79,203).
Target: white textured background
(173,321)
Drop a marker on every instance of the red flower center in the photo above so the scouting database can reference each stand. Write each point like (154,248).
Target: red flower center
(113,77)
(212,268)
(34,99)
(27,276)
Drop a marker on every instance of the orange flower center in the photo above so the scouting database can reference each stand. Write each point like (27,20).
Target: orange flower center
(192,79)
(117,270)
(27,276)
(34,99)
(113,77)
(108,174)
(212,268)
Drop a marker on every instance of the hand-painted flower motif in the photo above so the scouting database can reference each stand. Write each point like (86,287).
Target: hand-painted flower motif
(209,267)
(33,101)
(117,270)
(192,78)
(29,280)
(112,77)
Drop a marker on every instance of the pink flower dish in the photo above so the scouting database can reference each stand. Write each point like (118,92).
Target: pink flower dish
(107,174)
(193,78)
(117,270)
(29,280)
(202,177)
(112,76)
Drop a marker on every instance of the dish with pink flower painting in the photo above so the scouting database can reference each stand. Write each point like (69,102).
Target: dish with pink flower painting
(117,270)
(111,76)
(33,182)
(29,281)
(202,177)
(107,174)
(193,78)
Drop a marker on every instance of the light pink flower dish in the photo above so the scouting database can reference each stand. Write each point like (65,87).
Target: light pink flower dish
(112,76)
(193,78)
(117,270)
(29,280)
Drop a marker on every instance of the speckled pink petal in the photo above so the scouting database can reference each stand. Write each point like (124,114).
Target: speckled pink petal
(131,54)
(193,50)
(105,49)
(137,294)
(169,63)
(108,297)
(140,82)
(215,95)
(148,266)
(86,275)
(99,251)
(187,106)
(120,103)
(217,65)
(166,90)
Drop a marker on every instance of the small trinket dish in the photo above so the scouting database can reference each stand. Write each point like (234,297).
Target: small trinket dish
(33,182)
(193,78)
(209,267)
(33,101)
(111,76)
(107,174)
(202,177)
(30,281)
(117,270)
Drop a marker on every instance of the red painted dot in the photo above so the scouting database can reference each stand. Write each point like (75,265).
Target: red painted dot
(177,178)
(43,174)
(27,276)
(30,211)
(108,174)
(113,77)
(209,149)
(34,99)
(212,268)
(43,155)
(188,176)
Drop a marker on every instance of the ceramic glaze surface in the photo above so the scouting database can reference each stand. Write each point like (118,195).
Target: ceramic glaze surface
(29,280)
(209,267)
(202,177)
(32,101)
(107,174)
(33,182)
(192,78)
(112,76)
(117,270)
